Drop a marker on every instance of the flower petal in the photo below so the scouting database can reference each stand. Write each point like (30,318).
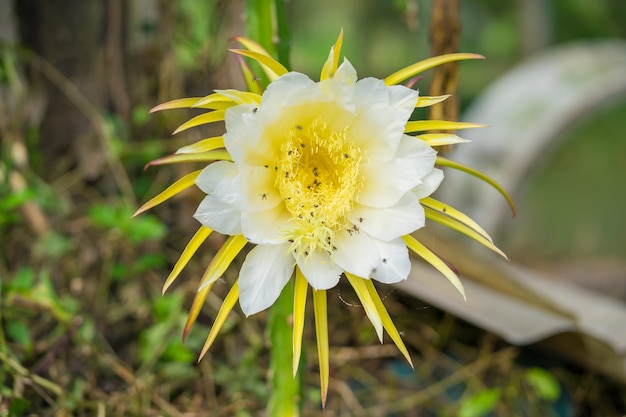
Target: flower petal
(393,263)
(356,252)
(399,219)
(345,73)
(382,116)
(384,183)
(217,177)
(429,184)
(263,275)
(288,90)
(320,270)
(219,216)
(417,154)
(257,185)
(265,227)
(242,132)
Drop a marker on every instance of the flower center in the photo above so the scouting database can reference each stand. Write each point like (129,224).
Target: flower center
(318,178)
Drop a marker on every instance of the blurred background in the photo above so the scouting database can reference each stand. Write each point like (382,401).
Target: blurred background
(84,328)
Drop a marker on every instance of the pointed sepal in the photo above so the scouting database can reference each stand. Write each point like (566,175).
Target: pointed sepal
(220,319)
(444,162)
(412,70)
(423,252)
(321,331)
(299,308)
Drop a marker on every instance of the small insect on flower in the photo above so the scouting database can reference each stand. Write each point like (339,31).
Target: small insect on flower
(351,181)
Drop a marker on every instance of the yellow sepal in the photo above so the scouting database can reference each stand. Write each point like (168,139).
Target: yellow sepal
(368,304)
(216,155)
(423,252)
(179,103)
(210,117)
(179,186)
(252,81)
(331,64)
(441,139)
(204,145)
(386,320)
(196,306)
(220,319)
(299,307)
(198,238)
(455,214)
(426,101)
(444,162)
(271,67)
(423,125)
(241,97)
(222,259)
(461,228)
(321,330)
(412,70)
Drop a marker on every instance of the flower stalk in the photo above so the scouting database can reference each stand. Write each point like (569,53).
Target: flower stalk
(285,387)
(267,22)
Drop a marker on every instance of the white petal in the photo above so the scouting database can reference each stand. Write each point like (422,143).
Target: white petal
(384,183)
(217,176)
(356,252)
(402,218)
(346,72)
(372,92)
(429,184)
(292,88)
(417,154)
(257,185)
(382,115)
(265,227)
(320,270)
(393,263)
(263,275)
(219,216)
(242,131)
(403,98)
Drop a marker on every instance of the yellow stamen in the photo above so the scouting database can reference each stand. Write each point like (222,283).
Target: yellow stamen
(317,175)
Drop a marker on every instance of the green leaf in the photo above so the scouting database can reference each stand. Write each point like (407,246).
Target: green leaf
(54,245)
(18,406)
(544,383)
(15,199)
(103,216)
(18,332)
(23,279)
(120,218)
(140,115)
(120,271)
(167,306)
(152,342)
(480,404)
(146,228)
(150,261)
(176,351)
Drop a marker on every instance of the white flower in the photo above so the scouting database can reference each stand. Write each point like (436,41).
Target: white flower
(325,181)
(323,177)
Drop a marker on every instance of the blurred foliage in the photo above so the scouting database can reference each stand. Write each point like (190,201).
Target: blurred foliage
(84,328)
